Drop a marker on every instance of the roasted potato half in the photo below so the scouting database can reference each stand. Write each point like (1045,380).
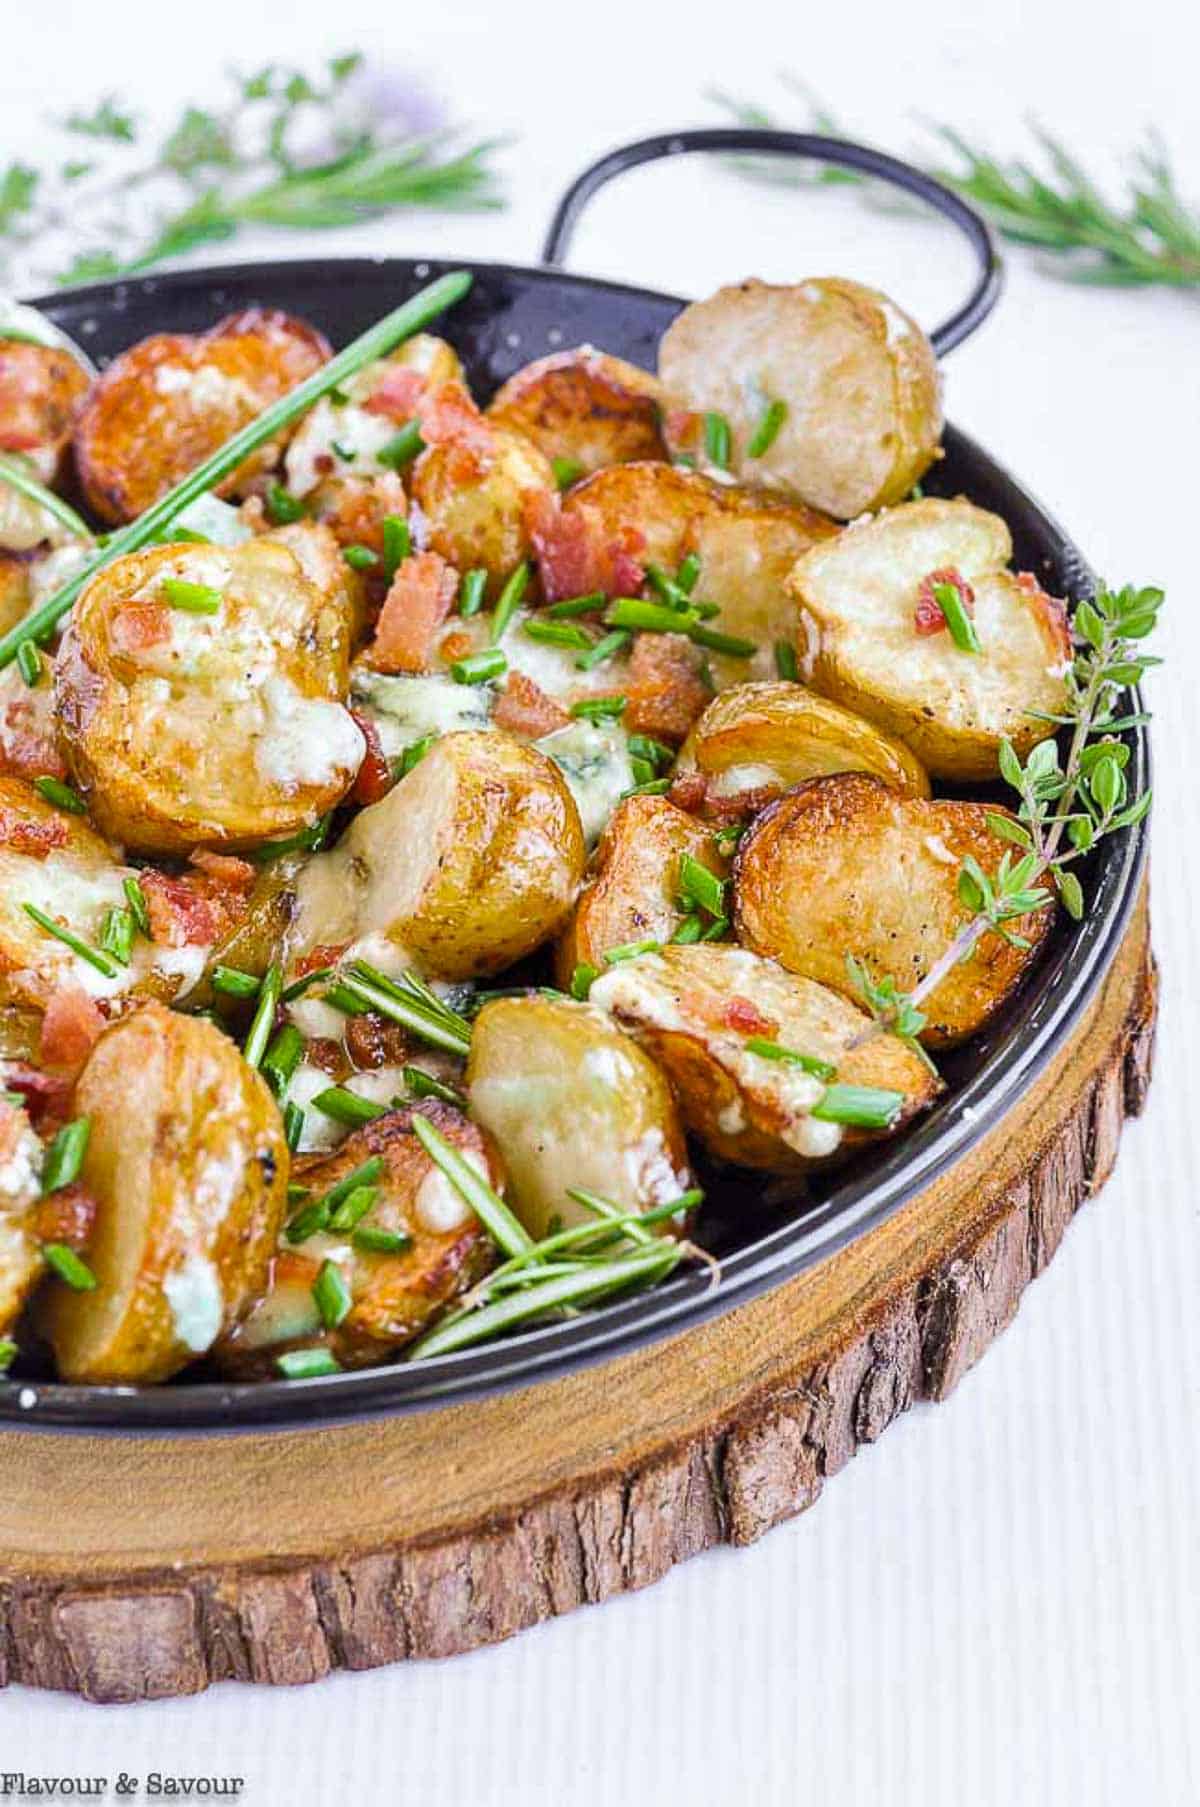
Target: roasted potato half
(342,436)
(188,1169)
(470,863)
(169,401)
(633,893)
(475,498)
(857,380)
(695,1009)
(585,406)
(223,727)
(843,866)
(756,740)
(570,1101)
(42,389)
(394,1294)
(870,637)
(21,1265)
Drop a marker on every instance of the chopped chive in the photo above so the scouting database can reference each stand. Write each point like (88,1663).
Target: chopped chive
(654,787)
(103,963)
(365,1175)
(600,708)
(299,986)
(644,746)
(716,928)
(576,605)
(340,997)
(644,770)
(444,1029)
(64,1157)
(771,1050)
(688,572)
(374,1241)
(722,643)
(296,1193)
(858,1106)
(649,617)
(725,840)
(306,1364)
(308,840)
(135,897)
(264,1017)
(630,950)
(116,935)
(414,754)
(397,543)
(353,1208)
(402,448)
(566,471)
(29,661)
(8,1354)
(689,931)
(283,508)
(282,1058)
(193,599)
(420,1084)
(962,628)
(61,1257)
(347,1107)
(471,591)
(701,886)
(767,430)
(360,558)
(311,1220)
(233,983)
(293,1124)
(509,600)
(604,650)
(331,1295)
(479,668)
(666,587)
(718,441)
(558,633)
(487,1205)
(61,795)
(582,979)
(785,660)
(347,453)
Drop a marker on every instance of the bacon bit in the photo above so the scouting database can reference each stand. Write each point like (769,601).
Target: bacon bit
(683,429)
(421,597)
(448,416)
(194,910)
(25,834)
(375,778)
(574,556)
(28,746)
(47,1095)
(71,1027)
(40,394)
(324,1053)
(290,1268)
(356,508)
(697,794)
(689,791)
(747,1019)
(456,645)
(68,1215)
(372,1041)
(664,685)
(1051,612)
(139,626)
(397,393)
(238,875)
(524,709)
(928,618)
(326,953)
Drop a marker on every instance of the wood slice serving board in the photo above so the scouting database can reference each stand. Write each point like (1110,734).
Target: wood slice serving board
(134,1569)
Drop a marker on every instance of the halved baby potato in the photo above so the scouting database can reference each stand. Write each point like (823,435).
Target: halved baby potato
(475,498)
(471,862)
(570,1101)
(633,893)
(223,727)
(394,1294)
(42,389)
(21,1264)
(170,400)
(187,1164)
(585,406)
(756,740)
(856,377)
(695,1010)
(844,866)
(862,642)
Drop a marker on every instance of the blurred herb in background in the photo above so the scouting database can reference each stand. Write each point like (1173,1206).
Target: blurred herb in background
(1150,235)
(284,149)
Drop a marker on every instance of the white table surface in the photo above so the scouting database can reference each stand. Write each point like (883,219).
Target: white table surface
(998,1604)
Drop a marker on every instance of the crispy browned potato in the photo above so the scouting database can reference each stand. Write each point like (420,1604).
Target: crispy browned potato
(225,728)
(857,377)
(858,640)
(21,1265)
(585,406)
(169,401)
(475,501)
(843,866)
(695,1009)
(41,392)
(470,863)
(756,740)
(633,892)
(572,1102)
(395,1295)
(188,1168)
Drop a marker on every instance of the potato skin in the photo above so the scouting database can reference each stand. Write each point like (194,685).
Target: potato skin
(222,730)
(632,892)
(570,1101)
(843,866)
(693,1010)
(858,377)
(475,504)
(395,1297)
(172,399)
(189,1172)
(584,405)
(857,641)
(42,390)
(21,1264)
(471,862)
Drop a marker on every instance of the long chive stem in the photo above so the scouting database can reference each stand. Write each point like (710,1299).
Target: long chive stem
(471,1186)
(17,477)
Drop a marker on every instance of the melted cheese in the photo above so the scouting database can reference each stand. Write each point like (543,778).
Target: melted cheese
(305,741)
(593,757)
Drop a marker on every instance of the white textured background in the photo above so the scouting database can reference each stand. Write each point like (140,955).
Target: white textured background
(1000,1604)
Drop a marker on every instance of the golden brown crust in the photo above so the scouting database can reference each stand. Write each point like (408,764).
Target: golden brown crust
(42,390)
(475,503)
(585,406)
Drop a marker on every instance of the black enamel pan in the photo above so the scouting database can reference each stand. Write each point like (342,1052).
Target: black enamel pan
(512,315)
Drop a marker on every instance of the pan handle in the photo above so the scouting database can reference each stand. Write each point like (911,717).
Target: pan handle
(974,228)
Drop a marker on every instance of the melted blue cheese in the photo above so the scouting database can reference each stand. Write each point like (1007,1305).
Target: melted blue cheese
(305,741)
(404,710)
(593,757)
(330,430)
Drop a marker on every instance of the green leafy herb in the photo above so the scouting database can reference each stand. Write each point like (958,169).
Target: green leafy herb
(397,544)
(402,448)
(264,1017)
(566,471)
(64,1157)
(767,430)
(331,1295)
(479,668)
(471,1186)
(117,932)
(372,1240)
(858,1106)
(509,600)
(29,660)
(193,599)
(61,795)
(360,558)
(347,1107)
(283,508)
(962,628)
(69,1266)
(770,1050)
(785,661)
(135,897)
(718,440)
(306,1364)
(103,963)
(471,591)
(234,984)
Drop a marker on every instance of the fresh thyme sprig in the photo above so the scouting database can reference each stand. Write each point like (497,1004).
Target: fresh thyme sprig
(1151,235)
(286,148)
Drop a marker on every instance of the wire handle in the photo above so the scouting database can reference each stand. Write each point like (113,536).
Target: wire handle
(862,157)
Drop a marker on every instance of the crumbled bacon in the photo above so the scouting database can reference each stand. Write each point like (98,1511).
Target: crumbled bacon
(375,778)
(455,645)
(28,743)
(326,953)
(194,910)
(1051,612)
(448,416)
(928,617)
(575,554)
(524,709)
(26,834)
(747,1019)
(139,626)
(47,1096)
(372,1041)
(355,509)
(421,597)
(325,1053)
(664,685)
(239,875)
(697,794)
(70,1028)
(689,791)
(397,393)
(67,1215)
